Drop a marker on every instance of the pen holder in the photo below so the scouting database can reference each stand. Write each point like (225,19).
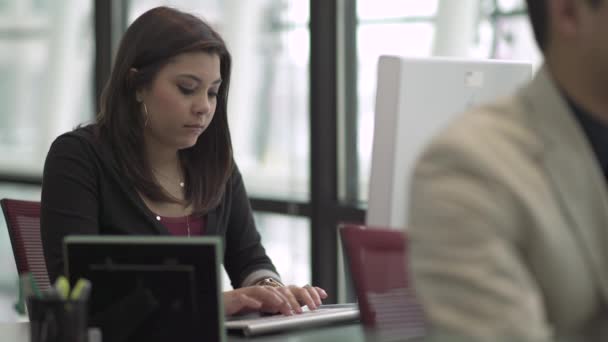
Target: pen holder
(56,320)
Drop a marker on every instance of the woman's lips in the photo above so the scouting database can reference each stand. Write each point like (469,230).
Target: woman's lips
(198,129)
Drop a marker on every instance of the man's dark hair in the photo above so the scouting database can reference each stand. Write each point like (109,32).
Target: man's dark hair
(537,10)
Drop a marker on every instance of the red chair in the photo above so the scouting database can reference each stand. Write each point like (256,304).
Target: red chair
(377,263)
(23,222)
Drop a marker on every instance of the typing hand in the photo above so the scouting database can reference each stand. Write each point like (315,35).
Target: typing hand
(310,296)
(237,301)
(256,299)
(268,299)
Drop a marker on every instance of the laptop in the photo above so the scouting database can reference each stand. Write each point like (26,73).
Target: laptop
(257,324)
(376,259)
(150,288)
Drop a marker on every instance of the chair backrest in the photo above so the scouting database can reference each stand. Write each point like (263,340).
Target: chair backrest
(377,263)
(23,222)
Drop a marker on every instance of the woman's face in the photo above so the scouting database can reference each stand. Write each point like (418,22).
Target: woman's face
(181,100)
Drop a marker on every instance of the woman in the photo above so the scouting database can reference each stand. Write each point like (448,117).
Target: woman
(159,161)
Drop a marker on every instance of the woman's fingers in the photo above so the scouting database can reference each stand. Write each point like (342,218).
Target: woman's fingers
(272,300)
(292,298)
(248,302)
(304,297)
(321,292)
(285,300)
(313,294)
(236,302)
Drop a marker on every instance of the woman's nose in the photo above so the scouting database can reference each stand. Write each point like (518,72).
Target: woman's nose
(202,106)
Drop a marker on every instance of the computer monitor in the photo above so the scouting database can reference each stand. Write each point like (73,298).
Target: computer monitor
(150,288)
(415,98)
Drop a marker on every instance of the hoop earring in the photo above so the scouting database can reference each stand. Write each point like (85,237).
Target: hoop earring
(146,116)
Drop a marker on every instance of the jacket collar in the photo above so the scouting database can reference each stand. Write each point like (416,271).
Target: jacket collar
(572,169)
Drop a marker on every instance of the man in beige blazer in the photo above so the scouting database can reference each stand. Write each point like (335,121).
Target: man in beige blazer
(509,207)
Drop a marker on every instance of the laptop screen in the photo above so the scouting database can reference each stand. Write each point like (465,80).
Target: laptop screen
(150,288)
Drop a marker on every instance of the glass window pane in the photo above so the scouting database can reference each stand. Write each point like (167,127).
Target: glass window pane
(413,39)
(268,110)
(297,12)
(46,88)
(386,9)
(511,5)
(287,243)
(484,41)
(8,270)
(210,10)
(270,126)
(46,56)
(515,40)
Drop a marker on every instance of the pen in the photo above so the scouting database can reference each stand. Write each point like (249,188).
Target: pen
(62,285)
(51,293)
(81,290)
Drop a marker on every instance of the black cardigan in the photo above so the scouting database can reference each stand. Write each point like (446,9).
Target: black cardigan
(84,193)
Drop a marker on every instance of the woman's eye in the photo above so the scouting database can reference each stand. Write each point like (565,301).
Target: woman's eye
(186,90)
(212,94)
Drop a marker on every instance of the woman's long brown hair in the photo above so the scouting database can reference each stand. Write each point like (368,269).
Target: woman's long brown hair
(148,45)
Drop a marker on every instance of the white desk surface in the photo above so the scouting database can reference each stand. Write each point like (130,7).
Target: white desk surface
(15,332)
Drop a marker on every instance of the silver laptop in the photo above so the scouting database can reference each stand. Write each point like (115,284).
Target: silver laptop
(256,324)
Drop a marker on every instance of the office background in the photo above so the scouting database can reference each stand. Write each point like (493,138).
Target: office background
(301,107)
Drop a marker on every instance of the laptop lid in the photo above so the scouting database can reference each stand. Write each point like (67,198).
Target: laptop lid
(152,288)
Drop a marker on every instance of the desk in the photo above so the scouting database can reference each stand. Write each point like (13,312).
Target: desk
(351,332)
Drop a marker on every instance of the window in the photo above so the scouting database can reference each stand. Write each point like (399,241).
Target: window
(513,36)
(399,27)
(46,54)
(287,242)
(46,88)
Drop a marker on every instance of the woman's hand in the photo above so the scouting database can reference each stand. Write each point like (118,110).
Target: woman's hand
(285,300)
(310,296)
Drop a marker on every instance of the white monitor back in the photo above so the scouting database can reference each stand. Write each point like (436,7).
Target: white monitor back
(415,98)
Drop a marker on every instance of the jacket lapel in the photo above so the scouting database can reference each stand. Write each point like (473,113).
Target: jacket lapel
(573,170)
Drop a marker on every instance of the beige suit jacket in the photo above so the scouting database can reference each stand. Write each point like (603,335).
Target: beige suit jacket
(509,224)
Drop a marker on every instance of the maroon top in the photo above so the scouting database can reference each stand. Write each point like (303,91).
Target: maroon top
(179,225)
